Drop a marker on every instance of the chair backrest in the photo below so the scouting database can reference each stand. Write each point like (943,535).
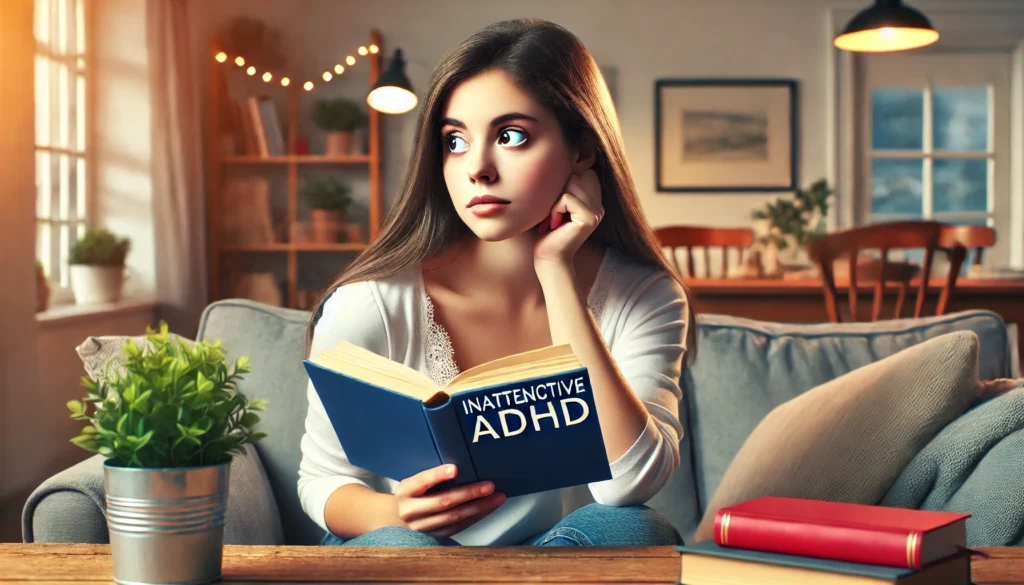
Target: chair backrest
(884,237)
(977,237)
(690,237)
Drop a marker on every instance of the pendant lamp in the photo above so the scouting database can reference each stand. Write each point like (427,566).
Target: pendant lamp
(889,25)
(392,93)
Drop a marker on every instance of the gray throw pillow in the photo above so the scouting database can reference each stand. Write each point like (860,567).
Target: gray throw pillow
(848,439)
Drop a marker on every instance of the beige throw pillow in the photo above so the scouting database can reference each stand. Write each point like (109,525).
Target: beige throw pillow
(848,439)
(97,352)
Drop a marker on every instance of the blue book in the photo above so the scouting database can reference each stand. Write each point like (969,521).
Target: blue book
(706,563)
(526,422)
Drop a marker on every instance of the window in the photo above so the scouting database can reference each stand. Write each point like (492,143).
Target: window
(935,139)
(62,196)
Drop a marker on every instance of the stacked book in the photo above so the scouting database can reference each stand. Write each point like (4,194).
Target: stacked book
(782,541)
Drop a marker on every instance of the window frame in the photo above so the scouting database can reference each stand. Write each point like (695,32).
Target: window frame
(57,219)
(926,71)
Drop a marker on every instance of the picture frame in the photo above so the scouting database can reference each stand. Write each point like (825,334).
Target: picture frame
(725,135)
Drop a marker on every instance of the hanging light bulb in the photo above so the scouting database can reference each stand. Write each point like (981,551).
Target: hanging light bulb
(392,93)
(267,77)
(221,57)
(327,76)
(363,51)
(285,81)
(251,70)
(308,86)
(339,69)
(889,25)
(374,49)
(239,61)
(350,60)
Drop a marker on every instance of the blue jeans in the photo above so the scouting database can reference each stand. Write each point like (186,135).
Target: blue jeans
(591,525)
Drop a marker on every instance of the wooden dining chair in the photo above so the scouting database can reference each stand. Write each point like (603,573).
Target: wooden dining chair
(972,237)
(884,237)
(690,237)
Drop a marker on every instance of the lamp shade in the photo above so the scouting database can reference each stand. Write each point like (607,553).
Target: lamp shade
(889,25)
(392,93)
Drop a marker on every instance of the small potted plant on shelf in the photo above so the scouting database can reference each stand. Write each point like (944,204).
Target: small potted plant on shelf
(97,266)
(168,418)
(327,199)
(339,118)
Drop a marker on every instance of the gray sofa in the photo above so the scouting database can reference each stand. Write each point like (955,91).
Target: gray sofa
(744,369)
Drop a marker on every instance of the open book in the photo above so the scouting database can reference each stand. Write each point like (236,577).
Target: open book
(527,422)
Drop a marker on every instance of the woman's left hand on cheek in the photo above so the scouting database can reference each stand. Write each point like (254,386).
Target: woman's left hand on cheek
(574,217)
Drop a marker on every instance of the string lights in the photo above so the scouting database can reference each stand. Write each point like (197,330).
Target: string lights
(308,85)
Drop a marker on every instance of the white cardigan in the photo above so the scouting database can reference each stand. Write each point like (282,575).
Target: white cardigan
(641,312)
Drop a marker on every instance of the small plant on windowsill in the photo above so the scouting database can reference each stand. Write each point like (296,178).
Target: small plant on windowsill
(97,266)
(168,419)
(790,225)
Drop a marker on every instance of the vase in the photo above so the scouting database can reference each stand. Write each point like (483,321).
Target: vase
(339,143)
(166,525)
(96,284)
(327,225)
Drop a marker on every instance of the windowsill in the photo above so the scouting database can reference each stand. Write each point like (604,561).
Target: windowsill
(65,314)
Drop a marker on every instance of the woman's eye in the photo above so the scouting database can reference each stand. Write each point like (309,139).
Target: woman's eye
(510,137)
(454,141)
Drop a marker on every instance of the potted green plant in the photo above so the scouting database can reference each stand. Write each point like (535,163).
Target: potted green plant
(97,266)
(339,118)
(167,418)
(791,224)
(327,199)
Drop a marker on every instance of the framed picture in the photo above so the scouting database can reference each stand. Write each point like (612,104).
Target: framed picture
(725,135)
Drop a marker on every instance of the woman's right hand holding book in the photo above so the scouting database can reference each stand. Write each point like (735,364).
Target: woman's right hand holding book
(447,512)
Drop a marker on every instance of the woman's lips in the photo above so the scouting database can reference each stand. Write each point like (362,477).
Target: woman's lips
(484,209)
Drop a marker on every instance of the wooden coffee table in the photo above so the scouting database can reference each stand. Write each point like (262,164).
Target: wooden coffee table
(66,564)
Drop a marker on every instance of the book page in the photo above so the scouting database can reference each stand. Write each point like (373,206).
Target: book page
(352,360)
(533,363)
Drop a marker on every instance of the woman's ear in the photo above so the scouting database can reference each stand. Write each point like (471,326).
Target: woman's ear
(585,154)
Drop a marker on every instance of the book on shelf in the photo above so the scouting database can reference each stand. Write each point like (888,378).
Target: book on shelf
(526,422)
(858,533)
(706,563)
(256,123)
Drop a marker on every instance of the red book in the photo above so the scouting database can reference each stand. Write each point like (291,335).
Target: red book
(856,533)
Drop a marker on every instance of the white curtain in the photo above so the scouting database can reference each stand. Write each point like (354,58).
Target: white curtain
(178,198)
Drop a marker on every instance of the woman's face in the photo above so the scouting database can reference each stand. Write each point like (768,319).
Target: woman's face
(497,142)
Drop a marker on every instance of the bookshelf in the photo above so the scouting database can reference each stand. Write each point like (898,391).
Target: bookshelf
(224,256)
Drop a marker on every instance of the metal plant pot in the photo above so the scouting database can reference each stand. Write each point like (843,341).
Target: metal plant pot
(167,525)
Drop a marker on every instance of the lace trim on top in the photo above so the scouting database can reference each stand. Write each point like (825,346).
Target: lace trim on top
(440,354)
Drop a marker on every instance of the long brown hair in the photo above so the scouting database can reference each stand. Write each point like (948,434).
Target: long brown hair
(551,64)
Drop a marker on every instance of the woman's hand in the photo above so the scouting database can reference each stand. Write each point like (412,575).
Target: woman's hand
(448,512)
(571,221)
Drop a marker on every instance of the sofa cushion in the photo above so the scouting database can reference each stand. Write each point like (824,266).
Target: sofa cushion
(274,339)
(745,368)
(847,440)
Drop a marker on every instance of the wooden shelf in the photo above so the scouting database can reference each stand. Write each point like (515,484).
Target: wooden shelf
(224,272)
(302,159)
(286,247)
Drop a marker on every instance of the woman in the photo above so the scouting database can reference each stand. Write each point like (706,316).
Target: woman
(518,227)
